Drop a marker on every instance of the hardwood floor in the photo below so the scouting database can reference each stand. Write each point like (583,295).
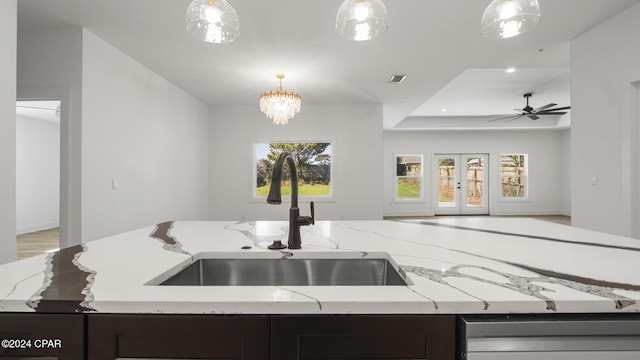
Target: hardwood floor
(558,219)
(37,243)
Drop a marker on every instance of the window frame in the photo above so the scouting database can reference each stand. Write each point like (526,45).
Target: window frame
(524,176)
(396,178)
(254,198)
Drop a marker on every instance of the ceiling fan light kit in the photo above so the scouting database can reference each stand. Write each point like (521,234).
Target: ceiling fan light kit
(503,19)
(212,21)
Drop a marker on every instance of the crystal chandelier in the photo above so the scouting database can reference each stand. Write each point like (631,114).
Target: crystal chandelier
(213,21)
(507,18)
(280,105)
(361,19)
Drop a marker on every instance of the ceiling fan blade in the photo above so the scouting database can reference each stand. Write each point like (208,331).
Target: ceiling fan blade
(551,113)
(506,117)
(533,117)
(560,108)
(544,107)
(515,118)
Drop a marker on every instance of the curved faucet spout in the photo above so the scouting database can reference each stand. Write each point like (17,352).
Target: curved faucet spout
(275,198)
(275,192)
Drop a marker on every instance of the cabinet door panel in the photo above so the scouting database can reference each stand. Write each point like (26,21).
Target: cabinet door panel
(178,336)
(50,336)
(343,337)
(369,347)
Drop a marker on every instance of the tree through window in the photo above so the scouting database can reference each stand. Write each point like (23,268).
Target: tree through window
(313,161)
(513,175)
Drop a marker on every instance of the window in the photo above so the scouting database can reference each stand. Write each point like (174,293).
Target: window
(513,176)
(408,177)
(313,161)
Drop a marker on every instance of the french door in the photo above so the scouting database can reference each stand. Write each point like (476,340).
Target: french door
(461,184)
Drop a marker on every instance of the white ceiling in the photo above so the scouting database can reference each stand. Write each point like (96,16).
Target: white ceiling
(437,43)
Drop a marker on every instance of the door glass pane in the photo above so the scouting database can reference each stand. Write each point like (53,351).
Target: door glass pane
(475,181)
(447,182)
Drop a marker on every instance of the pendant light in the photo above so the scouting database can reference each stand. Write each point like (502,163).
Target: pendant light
(507,18)
(361,20)
(212,21)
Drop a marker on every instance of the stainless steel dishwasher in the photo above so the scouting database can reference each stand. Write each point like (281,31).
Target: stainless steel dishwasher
(590,337)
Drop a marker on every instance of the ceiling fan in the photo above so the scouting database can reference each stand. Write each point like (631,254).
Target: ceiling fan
(534,114)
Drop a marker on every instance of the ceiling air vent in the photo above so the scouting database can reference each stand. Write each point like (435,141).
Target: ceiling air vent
(397,79)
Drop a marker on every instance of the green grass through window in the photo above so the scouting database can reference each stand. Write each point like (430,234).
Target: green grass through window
(409,189)
(303,190)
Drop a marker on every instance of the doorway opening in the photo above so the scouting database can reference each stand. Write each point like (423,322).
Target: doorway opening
(37,176)
(461,184)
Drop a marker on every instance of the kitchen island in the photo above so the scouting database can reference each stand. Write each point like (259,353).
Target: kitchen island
(452,266)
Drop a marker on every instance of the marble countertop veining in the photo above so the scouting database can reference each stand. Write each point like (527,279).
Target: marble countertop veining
(453,266)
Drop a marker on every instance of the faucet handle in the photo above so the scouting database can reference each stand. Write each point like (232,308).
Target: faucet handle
(308,220)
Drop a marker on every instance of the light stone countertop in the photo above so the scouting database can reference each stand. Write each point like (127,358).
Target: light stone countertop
(453,266)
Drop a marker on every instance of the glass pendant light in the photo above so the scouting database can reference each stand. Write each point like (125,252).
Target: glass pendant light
(213,21)
(507,18)
(361,19)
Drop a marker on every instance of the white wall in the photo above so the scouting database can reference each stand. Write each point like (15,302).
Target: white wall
(50,67)
(356,135)
(605,61)
(147,135)
(37,174)
(565,205)
(8,14)
(545,149)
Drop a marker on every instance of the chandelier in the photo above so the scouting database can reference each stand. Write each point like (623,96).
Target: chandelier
(507,18)
(213,21)
(280,105)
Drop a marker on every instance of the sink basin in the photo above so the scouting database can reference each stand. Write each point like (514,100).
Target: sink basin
(293,272)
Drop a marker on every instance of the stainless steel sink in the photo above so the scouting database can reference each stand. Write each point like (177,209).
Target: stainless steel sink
(294,272)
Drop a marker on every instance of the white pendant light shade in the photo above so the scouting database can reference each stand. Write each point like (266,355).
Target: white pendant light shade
(507,18)
(361,19)
(213,21)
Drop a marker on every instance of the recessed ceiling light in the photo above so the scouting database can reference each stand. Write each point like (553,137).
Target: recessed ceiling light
(510,70)
(443,110)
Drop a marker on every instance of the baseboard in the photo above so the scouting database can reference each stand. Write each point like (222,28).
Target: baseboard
(35,228)
(528,213)
(402,214)
(565,212)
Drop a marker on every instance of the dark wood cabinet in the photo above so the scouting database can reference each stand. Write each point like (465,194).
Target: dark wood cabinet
(58,336)
(363,337)
(178,336)
(241,337)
